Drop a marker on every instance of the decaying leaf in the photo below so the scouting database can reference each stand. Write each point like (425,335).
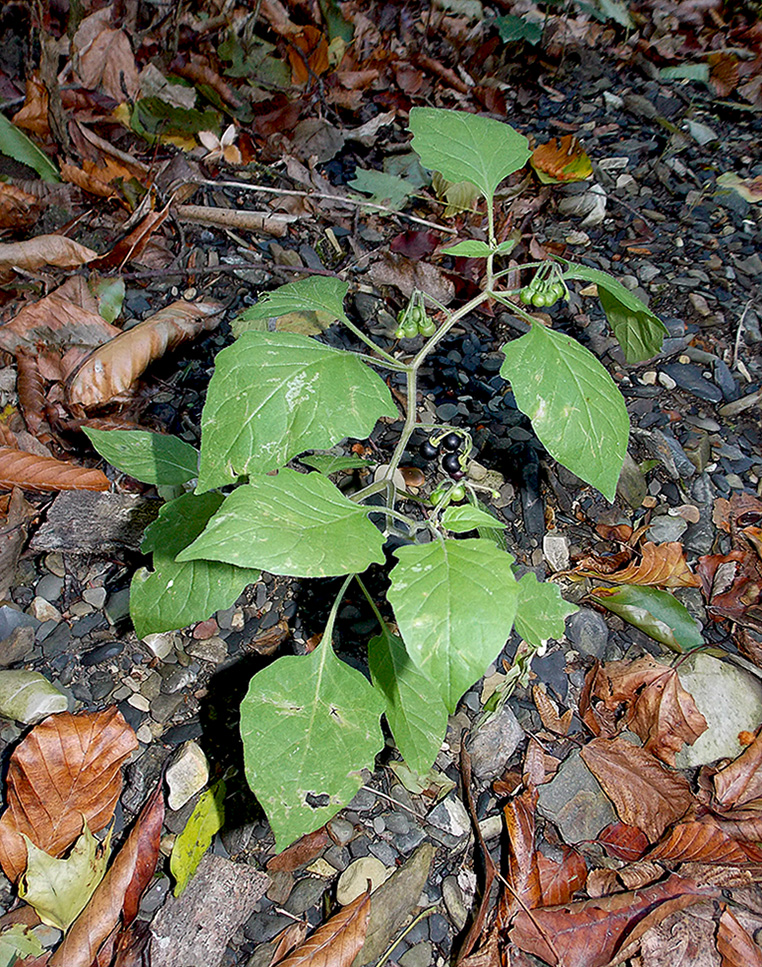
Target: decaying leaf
(301,852)
(117,896)
(111,370)
(562,159)
(523,872)
(13,537)
(740,782)
(662,565)
(549,712)
(30,472)
(644,792)
(57,321)
(69,766)
(704,842)
(735,945)
(133,245)
(624,842)
(560,881)
(337,942)
(43,250)
(31,392)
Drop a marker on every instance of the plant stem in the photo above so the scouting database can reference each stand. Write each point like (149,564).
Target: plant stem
(394,363)
(372,603)
(390,950)
(328,633)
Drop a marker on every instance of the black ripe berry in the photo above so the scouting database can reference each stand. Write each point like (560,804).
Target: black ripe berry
(428,451)
(451,465)
(451,441)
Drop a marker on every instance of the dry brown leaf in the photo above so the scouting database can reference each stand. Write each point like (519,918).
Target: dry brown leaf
(31,472)
(408,275)
(132,246)
(704,842)
(291,936)
(117,896)
(560,881)
(18,209)
(736,947)
(523,872)
(588,933)
(337,942)
(563,159)
(740,782)
(665,717)
(43,250)
(549,712)
(645,793)
(13,537)
(111,370)
(69,766)
(623,842)
(308,55)
(57,322)
(662,565)
(104,60)
(301,852)
(31,392)
(95,181)
(33,115)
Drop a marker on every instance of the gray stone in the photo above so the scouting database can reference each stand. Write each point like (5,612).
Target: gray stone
(305,895)
(187,775)
(575,802)
(213,650)
(448,821)
(689,378)
(12,618)
(665,528)
(354,880)
(729,698)
(453,900)
(588,632)
(341,830)
(118,605)
(421,955)
(89,522)
(494,742)
(49,587)
(281,885)
(28,697)
(17,647)
(555,547)
(631,486)
(384,852)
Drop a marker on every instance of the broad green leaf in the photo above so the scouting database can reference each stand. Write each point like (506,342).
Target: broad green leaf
(318,292)
(154,458)
(414,710)
(512,28)
(469,249)
(59,889)
(454,601)
(385,189)
(18,942)
(542,612)
(574,405)
(309,725)
(614,10)
(174,595)
(153,117)
(335,22)
(295,524)
(110,296)
(466,517)
(688,72)
(274,395)
(328,463)
(307,322)
(461,196)
(656,613)
(466,147)
(196,838)
(639,332)
(15,144)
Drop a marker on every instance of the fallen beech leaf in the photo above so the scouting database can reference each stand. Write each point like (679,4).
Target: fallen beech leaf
(644,792)
(43,250)
(704,842)
(309,55)
(69,766)
(523,872)
(623,842)
(409,274)
(662,565)
(734,944)
(118,893)
(589,933)
(301,852)
(665,717)
(132,246)
(104,58)
(337,942)
(560,881)
(740,782)
(18,209)
(30,472)
(111,370)
(561,160)
(57,322)
(549,712)
(13,537)
(31,392)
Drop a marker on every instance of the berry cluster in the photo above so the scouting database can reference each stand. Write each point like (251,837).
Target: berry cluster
(413,321)
(451,461)
(543,290)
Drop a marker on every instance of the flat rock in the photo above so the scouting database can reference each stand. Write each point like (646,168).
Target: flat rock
(354,880)
(575,802)
(192,930)
(493,743)
(187,775)
(85,522)
(730,700)
(588,632)
(28,697)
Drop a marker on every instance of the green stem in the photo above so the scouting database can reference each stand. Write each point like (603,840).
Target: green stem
(328,633)
(372,603)
(394,363)
(390,950)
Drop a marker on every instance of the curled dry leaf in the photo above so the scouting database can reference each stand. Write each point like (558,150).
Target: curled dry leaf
(43,250)
(337,942)
(112,369)
(588,933)
(645,793)
(740,782)
(560,881)
(662,565)
(69,766)
(55,322)
(562,160)
(18,209)
(734,944)
(301,852)
(31,392)
(30,472)
(704,842)
(549,712)
(134,244)
(13,531)
(523,872)
(117,896)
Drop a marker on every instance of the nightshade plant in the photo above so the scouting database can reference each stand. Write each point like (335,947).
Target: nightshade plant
(311,724)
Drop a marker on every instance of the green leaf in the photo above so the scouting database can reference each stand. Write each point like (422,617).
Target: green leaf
(416,714)
(295,524)
(274,395)
(318,293)
(466,147)
(454,601)
(153,117)
(513,28)
(154,458)
(469,249)
(466,517)
(15,144)
(309,726)
(328,463)
(335,22)
(175,594)
(18,942)
(387,190)
(574,405)
(613,10)
(59,889)
(656,613)
(196,838)
(639,332)
(542,612)
(686,72)
(110,296)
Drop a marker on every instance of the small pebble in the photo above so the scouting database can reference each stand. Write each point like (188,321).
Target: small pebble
(187,775)
(353,881)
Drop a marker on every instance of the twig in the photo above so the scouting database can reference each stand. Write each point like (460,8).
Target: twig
(339,199)
(739,331)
